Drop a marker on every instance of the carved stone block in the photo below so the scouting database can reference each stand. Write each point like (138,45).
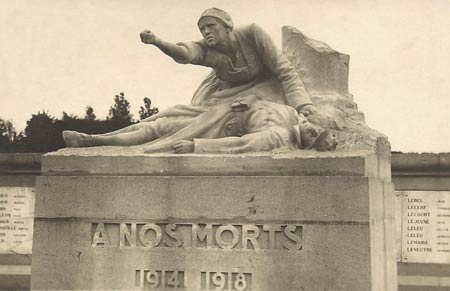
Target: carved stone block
(321,68)
(217,222)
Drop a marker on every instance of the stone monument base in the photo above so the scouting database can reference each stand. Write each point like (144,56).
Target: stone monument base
(110,218)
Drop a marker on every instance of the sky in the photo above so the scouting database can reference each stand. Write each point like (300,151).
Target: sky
(63,55)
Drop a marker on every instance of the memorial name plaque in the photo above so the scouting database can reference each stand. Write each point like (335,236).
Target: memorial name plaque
(16,220)
(425,226)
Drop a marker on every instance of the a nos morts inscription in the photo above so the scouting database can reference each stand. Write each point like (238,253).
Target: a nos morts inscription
(221,236)
(226,237)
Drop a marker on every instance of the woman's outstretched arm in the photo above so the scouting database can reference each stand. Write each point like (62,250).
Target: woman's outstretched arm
(174,51)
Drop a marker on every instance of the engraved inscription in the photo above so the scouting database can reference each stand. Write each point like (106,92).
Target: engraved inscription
(16,220)
(426,221)
(230,281)
(159,279)
(185,235)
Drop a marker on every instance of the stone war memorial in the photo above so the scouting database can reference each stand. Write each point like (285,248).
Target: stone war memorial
(269,180)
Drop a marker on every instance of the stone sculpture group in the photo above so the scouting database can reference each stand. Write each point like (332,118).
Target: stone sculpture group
(253,99)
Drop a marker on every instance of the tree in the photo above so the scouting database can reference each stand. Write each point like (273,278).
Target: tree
(8,135)
(90,115)
(7,130)
(41,134)
(147,110)
(120,111)
(66,116)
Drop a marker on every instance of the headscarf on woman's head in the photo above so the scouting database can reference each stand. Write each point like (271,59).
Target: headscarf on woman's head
(219,14)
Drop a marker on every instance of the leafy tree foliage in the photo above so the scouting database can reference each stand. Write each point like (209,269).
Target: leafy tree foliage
(7,130)
(8,135)
(90,115)
(43,132)
(147,110)
(120,111)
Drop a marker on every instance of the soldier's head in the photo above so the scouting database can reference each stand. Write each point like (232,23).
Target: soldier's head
(315,137)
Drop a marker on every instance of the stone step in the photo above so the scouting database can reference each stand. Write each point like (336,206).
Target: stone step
(125,161)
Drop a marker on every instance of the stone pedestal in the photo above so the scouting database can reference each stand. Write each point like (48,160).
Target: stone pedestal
(110,218)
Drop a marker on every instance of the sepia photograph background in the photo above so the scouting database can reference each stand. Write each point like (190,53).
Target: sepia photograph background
(65,55)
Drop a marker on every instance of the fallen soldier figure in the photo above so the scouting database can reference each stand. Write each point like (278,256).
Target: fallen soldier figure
(248,124)
(249,101)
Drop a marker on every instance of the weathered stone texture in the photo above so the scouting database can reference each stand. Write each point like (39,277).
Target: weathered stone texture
(321,68)
(325,72)
(131,161)
(341,203)
(342,217)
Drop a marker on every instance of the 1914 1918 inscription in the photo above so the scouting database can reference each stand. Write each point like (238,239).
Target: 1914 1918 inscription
(175,279)
(211,235)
